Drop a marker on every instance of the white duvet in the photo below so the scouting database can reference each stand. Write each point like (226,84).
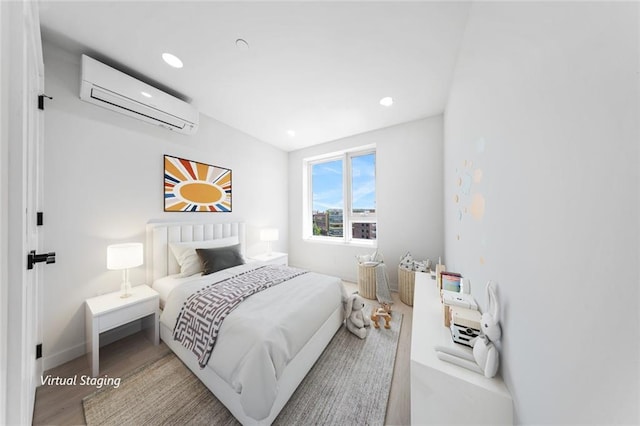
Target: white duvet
(264,333)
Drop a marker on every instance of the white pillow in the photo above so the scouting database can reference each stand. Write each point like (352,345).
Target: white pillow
(187,257)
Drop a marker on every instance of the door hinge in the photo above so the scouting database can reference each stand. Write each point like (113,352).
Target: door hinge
(39,218)
(41,100)
(33,258)
(39,351)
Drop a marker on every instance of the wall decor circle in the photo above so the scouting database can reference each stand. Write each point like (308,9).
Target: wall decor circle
(191,186)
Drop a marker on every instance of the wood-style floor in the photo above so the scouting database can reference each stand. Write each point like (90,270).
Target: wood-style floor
(62,405)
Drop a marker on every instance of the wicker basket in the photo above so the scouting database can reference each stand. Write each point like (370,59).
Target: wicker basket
(406,284)
(367,281)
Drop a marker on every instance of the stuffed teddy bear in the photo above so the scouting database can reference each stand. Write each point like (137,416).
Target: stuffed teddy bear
(356,319)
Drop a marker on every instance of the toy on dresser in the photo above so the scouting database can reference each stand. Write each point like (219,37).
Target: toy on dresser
(464,325)
(484,358)
(452,299)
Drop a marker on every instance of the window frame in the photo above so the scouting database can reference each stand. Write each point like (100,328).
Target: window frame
(348,216)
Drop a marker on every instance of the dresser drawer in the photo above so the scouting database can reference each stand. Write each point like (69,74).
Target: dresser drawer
(126,314)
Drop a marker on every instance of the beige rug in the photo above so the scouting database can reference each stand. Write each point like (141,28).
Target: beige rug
(349,384)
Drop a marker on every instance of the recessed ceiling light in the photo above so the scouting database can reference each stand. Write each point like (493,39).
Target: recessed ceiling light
(172,60)
(145,94)
(242,44)
(388,101)
(291,133)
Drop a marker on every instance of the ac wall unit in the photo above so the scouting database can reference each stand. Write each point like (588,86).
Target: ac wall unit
(117,91)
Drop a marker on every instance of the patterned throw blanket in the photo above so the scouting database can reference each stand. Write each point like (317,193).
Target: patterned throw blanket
(202,314)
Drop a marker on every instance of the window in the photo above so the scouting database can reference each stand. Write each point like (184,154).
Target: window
(341,197)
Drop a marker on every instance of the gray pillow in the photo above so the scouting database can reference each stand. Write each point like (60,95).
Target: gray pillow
(217,259)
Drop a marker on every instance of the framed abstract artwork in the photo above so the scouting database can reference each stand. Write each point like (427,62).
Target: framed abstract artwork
(190,186)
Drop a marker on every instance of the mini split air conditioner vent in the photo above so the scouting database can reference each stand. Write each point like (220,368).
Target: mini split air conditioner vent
(114,90)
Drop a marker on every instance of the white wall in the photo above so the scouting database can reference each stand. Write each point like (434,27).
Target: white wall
(4,203)
(104,182)
(552,89)
(409,193)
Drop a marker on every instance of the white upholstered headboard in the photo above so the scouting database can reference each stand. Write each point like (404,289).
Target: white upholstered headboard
(160,260)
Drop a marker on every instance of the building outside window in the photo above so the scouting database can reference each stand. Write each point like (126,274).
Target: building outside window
(341,197)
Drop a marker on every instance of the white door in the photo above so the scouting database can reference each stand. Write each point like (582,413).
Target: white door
(33,194)
(23,52)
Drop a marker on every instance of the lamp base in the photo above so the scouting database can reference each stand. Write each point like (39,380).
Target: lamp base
(125,288)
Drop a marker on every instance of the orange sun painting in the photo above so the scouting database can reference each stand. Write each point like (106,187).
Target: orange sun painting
(190,186)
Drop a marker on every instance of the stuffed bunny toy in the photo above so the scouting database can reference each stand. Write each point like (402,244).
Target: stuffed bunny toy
(356,319)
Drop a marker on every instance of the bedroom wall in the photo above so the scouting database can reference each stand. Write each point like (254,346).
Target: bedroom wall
(409,199)
(4,204)
(545,103)
(104,182)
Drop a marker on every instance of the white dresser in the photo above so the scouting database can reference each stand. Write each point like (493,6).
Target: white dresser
(443,393)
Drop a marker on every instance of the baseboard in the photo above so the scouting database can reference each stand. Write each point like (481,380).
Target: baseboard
(393,286)
(76,351)
(52,361)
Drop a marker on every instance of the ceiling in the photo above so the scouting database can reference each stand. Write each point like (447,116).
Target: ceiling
(317,68)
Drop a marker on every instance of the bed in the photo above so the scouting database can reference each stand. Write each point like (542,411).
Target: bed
(267,345)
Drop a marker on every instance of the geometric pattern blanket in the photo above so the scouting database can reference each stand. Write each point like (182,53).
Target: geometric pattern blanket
(202,314)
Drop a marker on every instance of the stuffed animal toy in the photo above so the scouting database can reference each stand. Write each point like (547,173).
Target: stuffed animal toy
(381,313)
(386,307)
(356,320)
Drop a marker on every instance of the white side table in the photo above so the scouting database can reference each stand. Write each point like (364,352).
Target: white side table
(106,312)
(275,258)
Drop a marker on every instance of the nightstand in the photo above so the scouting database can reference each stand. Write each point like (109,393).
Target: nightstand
(275,258)
(106,312)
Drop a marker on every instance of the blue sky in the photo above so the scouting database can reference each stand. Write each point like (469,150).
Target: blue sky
(327,184)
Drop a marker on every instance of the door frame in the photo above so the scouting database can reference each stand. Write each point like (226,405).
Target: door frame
(21,51)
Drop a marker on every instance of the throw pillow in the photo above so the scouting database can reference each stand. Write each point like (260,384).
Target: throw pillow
(217,259)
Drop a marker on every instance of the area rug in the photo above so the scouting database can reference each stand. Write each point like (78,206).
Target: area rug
(349,384)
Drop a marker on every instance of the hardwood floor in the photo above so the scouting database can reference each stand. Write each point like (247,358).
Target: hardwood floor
(62,405)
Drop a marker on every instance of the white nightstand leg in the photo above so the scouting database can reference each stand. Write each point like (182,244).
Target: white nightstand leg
(150,325)
(156,329)
(95,353)
(93,344)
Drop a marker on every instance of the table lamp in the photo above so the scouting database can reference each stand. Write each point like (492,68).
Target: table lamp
(268,235)
(124,256)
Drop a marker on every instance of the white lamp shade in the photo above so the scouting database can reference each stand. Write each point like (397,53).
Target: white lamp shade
(123,256)
(269,234)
